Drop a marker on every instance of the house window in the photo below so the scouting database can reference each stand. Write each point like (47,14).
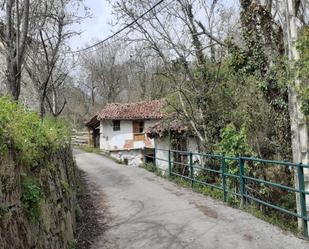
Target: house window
(141,127)
(138,127)
(116,125)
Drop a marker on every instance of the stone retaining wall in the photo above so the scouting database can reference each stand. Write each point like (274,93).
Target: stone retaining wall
(54,224)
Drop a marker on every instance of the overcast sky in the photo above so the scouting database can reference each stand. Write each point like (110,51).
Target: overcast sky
(94,28)
(97,27)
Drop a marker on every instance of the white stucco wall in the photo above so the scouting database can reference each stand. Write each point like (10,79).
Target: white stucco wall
(192,146)
(133,157)
(115,140)
(162,144)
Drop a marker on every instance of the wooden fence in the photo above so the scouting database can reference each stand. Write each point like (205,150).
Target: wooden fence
(80,137)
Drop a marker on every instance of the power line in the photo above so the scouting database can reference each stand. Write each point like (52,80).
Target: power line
(122,29)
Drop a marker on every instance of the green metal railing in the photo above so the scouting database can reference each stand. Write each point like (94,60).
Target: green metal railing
(241,178)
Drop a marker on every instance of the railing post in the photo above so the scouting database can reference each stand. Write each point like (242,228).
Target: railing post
(145,157)
(169,163)
(191,168)
(223,179)
(242,181)
(302,199)
(155,158)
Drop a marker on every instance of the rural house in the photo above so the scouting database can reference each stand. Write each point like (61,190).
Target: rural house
(119,129)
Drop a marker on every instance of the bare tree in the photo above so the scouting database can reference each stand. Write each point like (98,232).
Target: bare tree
(15,41)
(177,37)
(47,65)
(105,73)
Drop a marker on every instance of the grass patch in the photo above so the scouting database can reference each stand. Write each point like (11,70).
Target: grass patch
(90,149)
(274,219)
(151,167)
(98,151)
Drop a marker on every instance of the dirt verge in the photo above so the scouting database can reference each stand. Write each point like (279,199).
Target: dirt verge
(91,222)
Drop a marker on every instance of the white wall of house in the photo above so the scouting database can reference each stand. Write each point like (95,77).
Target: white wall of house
(115,140)
(133,157)
(192,146)
(162,144)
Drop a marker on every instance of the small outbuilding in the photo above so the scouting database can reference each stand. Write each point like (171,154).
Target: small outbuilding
(93,128)
(119,129)
(173,134)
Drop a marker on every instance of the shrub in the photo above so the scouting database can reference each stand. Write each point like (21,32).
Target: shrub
(31,196)
(150,167)
(233,142)
(31,137)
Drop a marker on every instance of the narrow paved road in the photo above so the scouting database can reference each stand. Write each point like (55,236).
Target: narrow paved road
(150,212)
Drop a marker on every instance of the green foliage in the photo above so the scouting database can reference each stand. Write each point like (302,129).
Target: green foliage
(90,149)
(238,58)
(150,167)
(31,137)
(3,211)
(302,46)
(72,245)
(302,66)
(250,60)
(66,188)
(6,110)
(58,131)
(31,196)
(304,97)
(260,60)
(233,142)
(274,219)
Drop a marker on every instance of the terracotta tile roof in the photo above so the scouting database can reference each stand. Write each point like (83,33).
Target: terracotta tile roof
(161,128)
(93,122)
(140,110)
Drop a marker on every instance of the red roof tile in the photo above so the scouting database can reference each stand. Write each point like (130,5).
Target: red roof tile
(93,122)
(140,110)
(160,128)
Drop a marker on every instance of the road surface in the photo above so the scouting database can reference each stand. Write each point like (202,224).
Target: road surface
(149,212)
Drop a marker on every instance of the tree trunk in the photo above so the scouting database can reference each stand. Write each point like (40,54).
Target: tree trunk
(55,109)
(13,80)
(42,107)
(299,130)
(16,35)
(11,73)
